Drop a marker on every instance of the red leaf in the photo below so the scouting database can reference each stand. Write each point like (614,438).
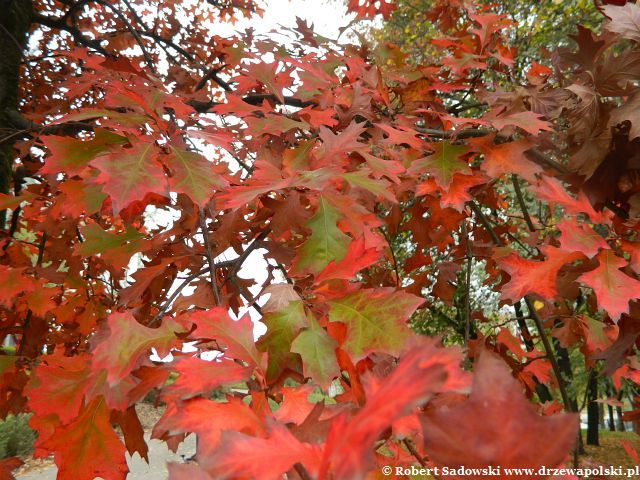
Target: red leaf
(269,458)
(129,342)
(7,465)
(356,258)
(529,276)
(580,238)
(187,417)
(132,432)
(129,174)
(466,434)
(423,371)
(58,386)
(196,377)
(236,335)
(613,288)
(88,447)
(552,190)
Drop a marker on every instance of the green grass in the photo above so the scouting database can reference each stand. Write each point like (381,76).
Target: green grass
(16,437)
(611,451)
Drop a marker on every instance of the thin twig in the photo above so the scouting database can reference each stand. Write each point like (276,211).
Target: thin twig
(412,449)
(252,246)
(467,300)
(210,258)
(523,206)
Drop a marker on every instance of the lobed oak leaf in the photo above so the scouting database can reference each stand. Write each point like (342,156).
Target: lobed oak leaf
(114,248)
(128,342)
(196,377)
(71,156)
(88,447)
(187,417)
(242,455)
(530,276)
(400,135)
(443,163)
(580,238)
(497,426)
(129,174)
(282,328)
(235,335)
(376,320)
(356,258)
(317,350)
(505,158)
(58,386)
(551,190)
(423,370)
(79,197)
(132,432)
(325,244)
(378,187)
(295,406)
(14,283)
(370,8)
(528,121)
(193,175)
(336,144)
(457,195)
(624,20)
(613,288)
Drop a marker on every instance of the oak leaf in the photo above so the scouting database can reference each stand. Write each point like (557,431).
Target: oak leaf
(497,426)
(376,319)
(613,288)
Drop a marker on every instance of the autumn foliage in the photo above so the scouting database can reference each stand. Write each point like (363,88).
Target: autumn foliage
(320,155)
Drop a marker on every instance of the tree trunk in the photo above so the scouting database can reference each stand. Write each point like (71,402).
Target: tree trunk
(15,20)
(593,417)
(564,362)
(619,395)
(612,420)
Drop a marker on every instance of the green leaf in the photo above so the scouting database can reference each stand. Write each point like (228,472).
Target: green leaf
(375,319)
(326,243)
(71,155)
(115,248)
(282,327)
(361,179)
(317,350)
(443,163)
(193,175)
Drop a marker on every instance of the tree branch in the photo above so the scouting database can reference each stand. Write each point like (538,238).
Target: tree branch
(78,36)
(209,255)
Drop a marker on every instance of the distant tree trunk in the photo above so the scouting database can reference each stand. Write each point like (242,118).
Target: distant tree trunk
(564,362)
(593,417)
(541,389)
(612,420)
(621,426)
(15,19)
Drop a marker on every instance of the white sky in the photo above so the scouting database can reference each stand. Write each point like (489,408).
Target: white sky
(327,16)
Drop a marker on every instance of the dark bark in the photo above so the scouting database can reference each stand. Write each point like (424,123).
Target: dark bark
(593,413)
(621,426)
(15,20)
(612,420)
(541,390)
